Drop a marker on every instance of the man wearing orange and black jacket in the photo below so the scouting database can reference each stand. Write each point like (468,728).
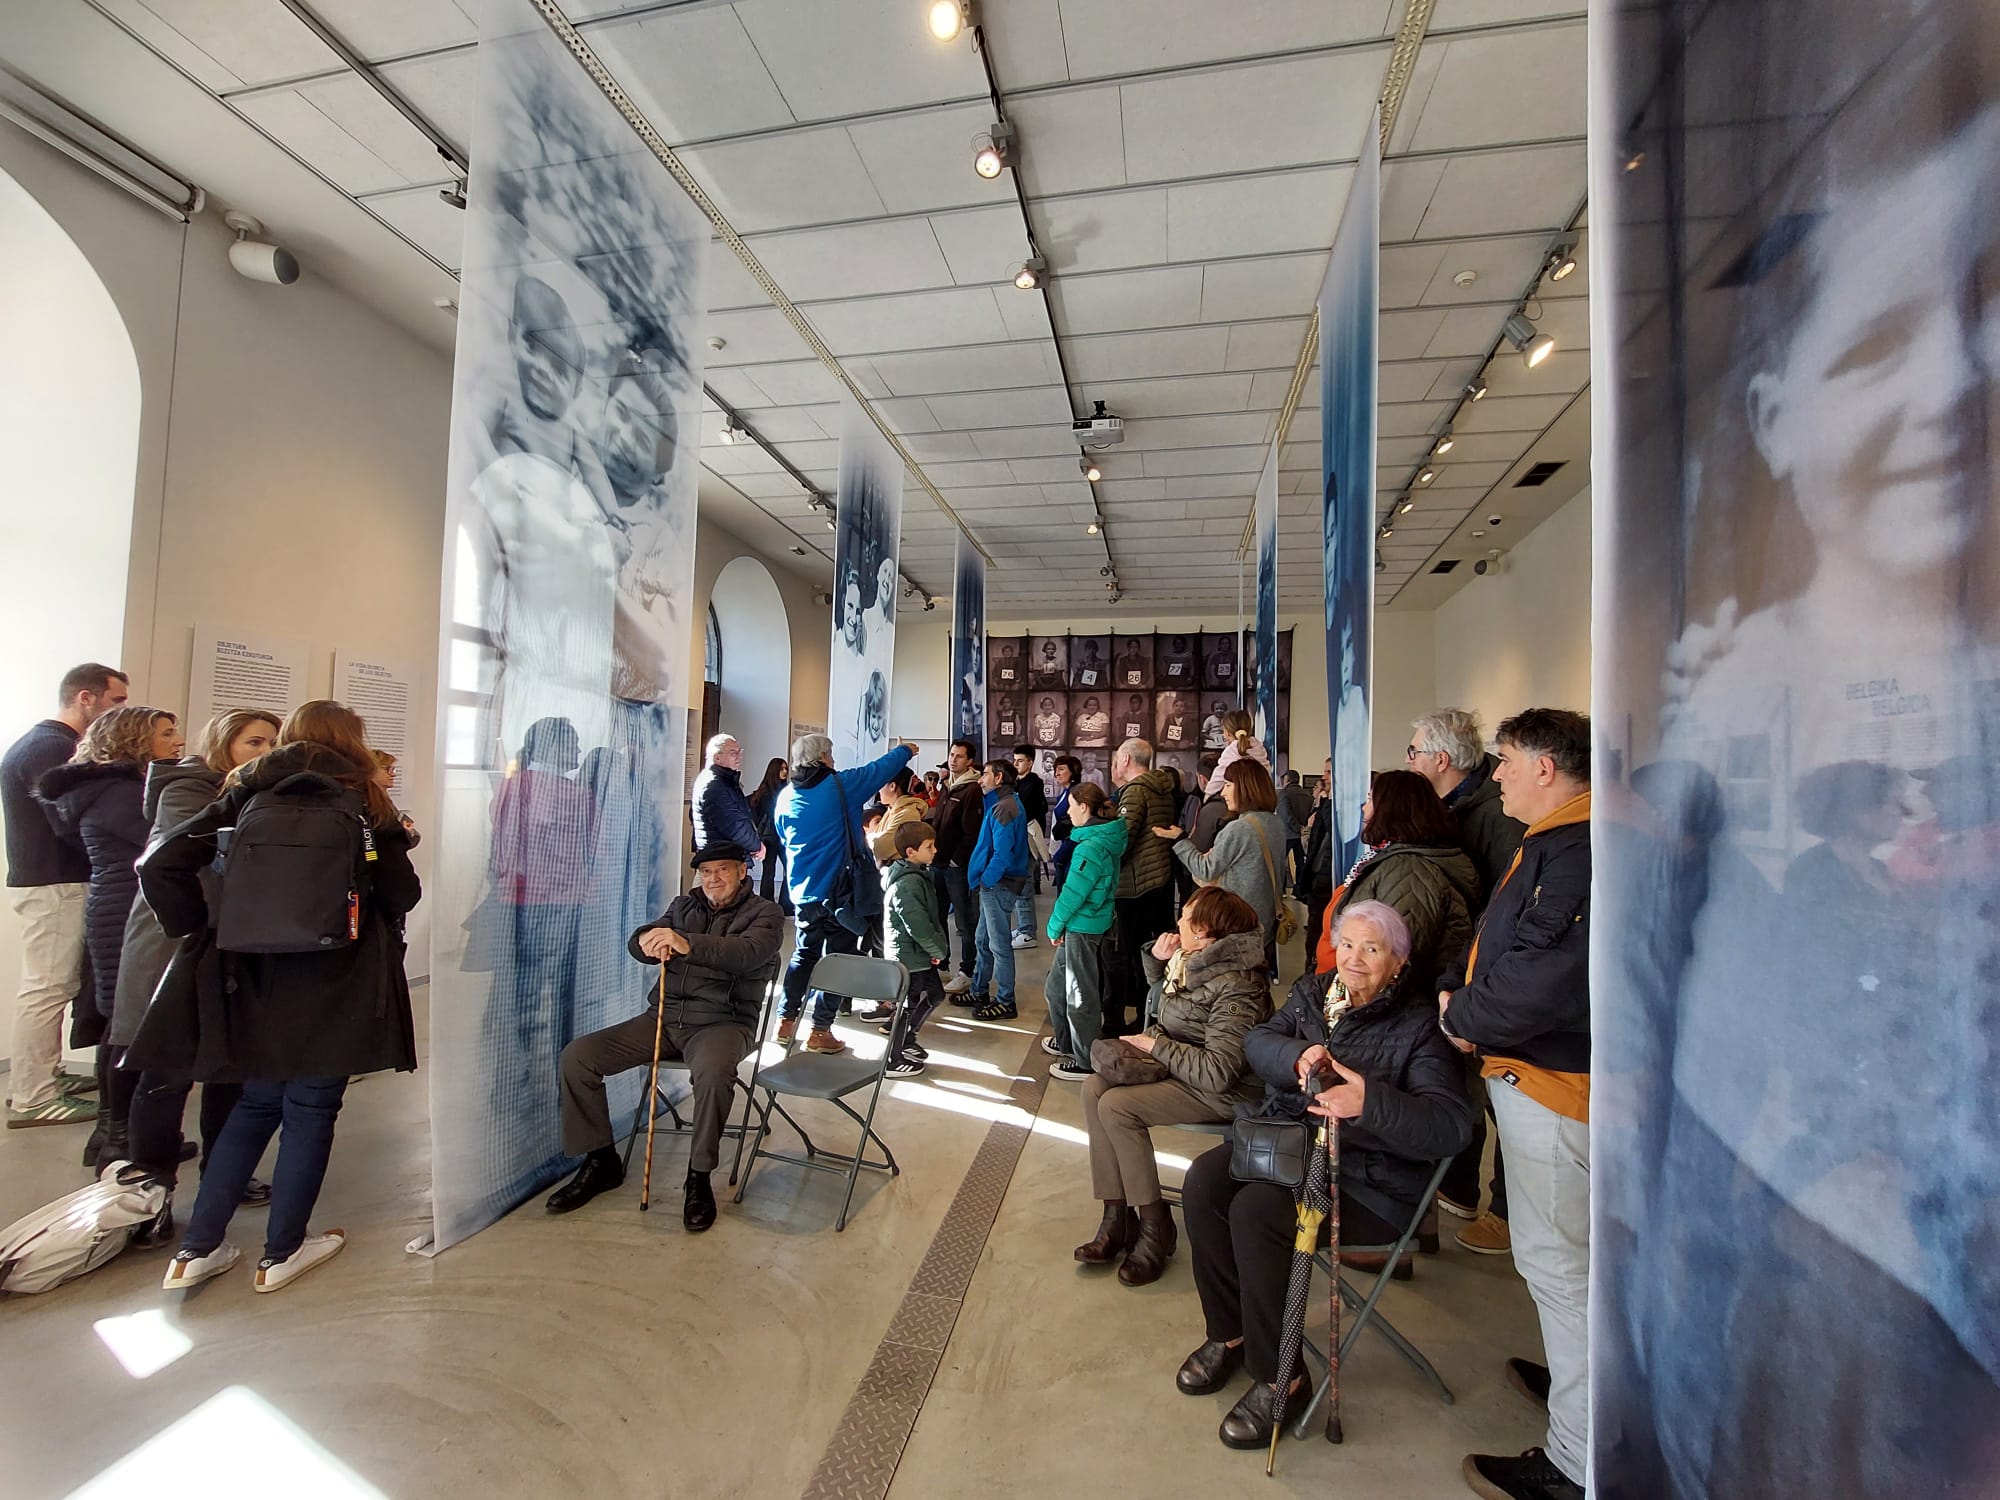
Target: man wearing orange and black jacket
(1525,1007)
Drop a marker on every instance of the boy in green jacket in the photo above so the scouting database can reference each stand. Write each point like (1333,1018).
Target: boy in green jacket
(914,938)
(1078,931)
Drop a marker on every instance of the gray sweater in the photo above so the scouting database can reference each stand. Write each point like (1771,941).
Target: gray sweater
(1236,863)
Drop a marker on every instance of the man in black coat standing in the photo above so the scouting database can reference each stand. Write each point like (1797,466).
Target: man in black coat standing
(1034,798)
(722,812)
(960,810)
(719,945)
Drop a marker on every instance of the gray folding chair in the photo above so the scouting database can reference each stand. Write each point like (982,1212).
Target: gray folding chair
(1217,1128)
(662,1104)
(1366,1312)
(809,1075)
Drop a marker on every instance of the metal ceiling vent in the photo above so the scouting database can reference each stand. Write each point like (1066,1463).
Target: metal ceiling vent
(1539,475)
(1446,566)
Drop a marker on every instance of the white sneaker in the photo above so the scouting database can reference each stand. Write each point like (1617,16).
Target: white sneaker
(186,1270)
(318,1248)
(1049,1046)
(958,984)
(1024,940)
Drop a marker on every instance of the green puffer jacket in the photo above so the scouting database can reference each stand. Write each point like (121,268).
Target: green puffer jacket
(1201,1022)
(1434,890)
(1146,802)
(912,934)
(1084,904)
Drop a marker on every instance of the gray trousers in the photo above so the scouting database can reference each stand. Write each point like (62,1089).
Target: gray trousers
(1122,1165)
(711,1054)
(1074,989)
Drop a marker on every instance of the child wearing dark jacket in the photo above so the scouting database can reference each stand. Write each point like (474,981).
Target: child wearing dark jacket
(915,939)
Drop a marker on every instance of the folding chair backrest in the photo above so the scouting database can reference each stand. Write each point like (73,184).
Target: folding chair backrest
(859,977)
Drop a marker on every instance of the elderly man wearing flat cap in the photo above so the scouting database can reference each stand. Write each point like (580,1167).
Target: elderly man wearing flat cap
(718,943)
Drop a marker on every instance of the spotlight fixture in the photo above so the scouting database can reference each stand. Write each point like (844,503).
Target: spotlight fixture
(1562,258)
(1635,161)
(732,433)
(1385,533)
(1087,467)
(948,18)
(1105,572)
(1116,595)
(1477,390)
(1030,275)
(1444,443)
(798,552)
(1405,506)
(453,196)
(929,604)
(992,149)
(1427,473)
(1092,529)
(830,525)
(1535,347)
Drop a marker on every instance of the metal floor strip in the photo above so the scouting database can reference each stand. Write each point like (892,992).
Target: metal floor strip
(860,1461)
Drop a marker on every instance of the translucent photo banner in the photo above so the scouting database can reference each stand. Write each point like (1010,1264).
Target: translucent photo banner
(1264,685)
(1350,305)
(1795,962)
(568,589)
(968,648)
(868,520)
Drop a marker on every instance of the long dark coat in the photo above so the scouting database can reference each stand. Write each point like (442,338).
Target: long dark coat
(100,807)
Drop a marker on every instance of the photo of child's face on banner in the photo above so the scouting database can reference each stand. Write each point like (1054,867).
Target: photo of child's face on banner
(1132,663)
(1004,667)
(1090,663)
(1218,664)
(1174,717)
(1176,661)
(1134,719)
(1048,662)
(1092,721)
(1048,725)
(1004,719)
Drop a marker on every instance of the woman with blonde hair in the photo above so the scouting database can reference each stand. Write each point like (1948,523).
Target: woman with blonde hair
(291,1027)
(176,790)
(97,802)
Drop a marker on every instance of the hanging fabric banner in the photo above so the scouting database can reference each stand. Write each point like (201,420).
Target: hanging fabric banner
(868,520)
(1795,964)
(968,648)
(1349,311)
(568,589)
(1264,706)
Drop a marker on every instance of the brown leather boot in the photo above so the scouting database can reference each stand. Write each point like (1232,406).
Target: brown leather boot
(1115,1232)
(1147,1260)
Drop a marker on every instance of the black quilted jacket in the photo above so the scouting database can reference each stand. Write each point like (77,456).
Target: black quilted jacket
(100,807)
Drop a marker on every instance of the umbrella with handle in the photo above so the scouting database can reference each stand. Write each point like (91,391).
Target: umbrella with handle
(1318,1200)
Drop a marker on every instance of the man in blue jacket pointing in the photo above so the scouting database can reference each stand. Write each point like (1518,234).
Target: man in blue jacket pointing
(997,874)
(832,879)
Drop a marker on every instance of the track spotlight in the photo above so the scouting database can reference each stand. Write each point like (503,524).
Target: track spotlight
(1562,258)
(948,18)
(1092,529)
(453,196)
(732,433)
(830,525)
(1427,473)
(1477,390)
(1105,572)
(1116,594)
(1444,443)
(1535,347)
(1405,506)
(1030,275)
(1088,468)
(1385,533)
(992,150)
(929,604)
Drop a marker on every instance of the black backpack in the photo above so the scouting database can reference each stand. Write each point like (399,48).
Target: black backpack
(295,869)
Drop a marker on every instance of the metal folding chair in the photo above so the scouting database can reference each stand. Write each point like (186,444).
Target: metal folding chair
(809,1075)
(1171,1196)
(1366,1312)
(663,1104)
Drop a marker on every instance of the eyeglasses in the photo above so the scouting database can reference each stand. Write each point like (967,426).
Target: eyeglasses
(1411,752)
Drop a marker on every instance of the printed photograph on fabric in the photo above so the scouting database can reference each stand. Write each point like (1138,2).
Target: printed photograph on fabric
(1218,663)
(968,647)
(1212,737)
(1187,762)
(1132,663)
(1090,721)
(572,499)
(1134,716)
(1006,663)
(1090,663)
(1800,987)
(1175,722)
(1048,724)
(1005,719)
(1048,662)
(1096,765)
(868,516)
(1176,661)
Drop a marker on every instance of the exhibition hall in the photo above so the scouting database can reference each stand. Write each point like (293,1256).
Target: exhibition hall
(916,748)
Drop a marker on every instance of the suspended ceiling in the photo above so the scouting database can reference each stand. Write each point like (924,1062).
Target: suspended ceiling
(1185,180)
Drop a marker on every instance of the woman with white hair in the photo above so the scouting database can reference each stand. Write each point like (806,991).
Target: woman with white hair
(1365,1039)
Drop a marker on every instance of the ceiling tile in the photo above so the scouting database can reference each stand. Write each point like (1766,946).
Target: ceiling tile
(1512,86)
(1071,141)
(856,260)
(1255,215)
(693,71)
(726,282)
(923,160)
(1266,346)
(256,42)
(1452,14)
(796,384)
(1023,442)
(1466,331)
(442,90)
(1178,396)
(1142,35)
(984,367)
(1407,189)
(1103,231)
(916,320)
(1500,192)
(1172,462)
(1509,413)
(1028,34)
(982,245)
(1128,299)
(856,57)
(1200,431)
(1125,356)
(1025,314)
(751,335)
(1001,408)
(426,219)
(1237,290)
(954,476)
(782,181)
(1250,117)
(308,131)
(1407,335)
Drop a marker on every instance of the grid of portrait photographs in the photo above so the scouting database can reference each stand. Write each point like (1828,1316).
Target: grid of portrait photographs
(1084,695)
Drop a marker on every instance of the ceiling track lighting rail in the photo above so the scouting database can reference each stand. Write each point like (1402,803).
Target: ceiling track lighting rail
(361,69)
(565,30)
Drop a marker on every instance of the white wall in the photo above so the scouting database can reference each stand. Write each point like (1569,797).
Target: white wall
(1522,639)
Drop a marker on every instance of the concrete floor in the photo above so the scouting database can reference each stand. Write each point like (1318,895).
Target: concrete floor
(610,1354)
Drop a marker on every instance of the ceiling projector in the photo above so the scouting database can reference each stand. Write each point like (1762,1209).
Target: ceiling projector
(1098,430)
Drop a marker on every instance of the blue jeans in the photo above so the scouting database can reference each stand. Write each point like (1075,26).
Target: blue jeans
(956,908)
(818,935)
(995,965)
(306,1108)
(1024,912)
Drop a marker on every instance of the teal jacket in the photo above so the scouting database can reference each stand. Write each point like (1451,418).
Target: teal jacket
(1084,904)
(913,934)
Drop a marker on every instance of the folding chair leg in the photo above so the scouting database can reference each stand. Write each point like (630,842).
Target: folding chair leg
(763,1129)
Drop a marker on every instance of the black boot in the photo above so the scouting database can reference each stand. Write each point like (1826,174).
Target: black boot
(1146,1261)
(698,1208)
(600,1173)
(1116,1232)
(1208,1369)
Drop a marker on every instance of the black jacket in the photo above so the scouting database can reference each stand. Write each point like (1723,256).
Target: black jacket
(235,1017)
(1209,820)
(960,811)
(1484,830)
(1529,998)
(721,978)
(36,853)
(99,806)
(1415,1113)
(1318,878)
(175,791)
(722,813)
(1034,798)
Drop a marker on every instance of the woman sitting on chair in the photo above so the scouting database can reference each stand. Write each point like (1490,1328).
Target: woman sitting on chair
(1209,987)
(1396,1086)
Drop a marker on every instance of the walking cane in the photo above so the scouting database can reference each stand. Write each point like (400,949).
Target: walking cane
(652,1093)
(1331,1135)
